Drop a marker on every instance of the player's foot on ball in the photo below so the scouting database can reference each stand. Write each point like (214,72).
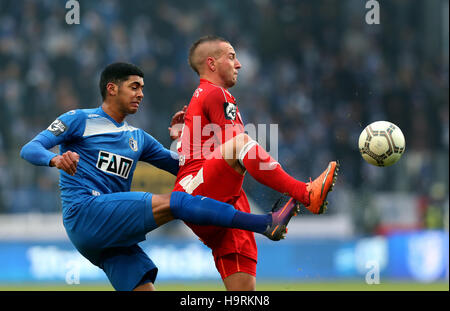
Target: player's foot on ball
(320,187)
(282,212)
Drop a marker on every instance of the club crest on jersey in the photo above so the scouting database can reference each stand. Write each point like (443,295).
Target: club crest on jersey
(114,164)
(133,144)
(197,92)
(57,127)
(230,111)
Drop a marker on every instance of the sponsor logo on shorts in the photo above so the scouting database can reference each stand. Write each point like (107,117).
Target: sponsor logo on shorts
(114,164)
(57,127)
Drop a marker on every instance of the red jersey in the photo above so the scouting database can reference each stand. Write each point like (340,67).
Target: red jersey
(211,119)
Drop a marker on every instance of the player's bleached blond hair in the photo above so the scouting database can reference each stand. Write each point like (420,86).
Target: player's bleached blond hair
(194,59)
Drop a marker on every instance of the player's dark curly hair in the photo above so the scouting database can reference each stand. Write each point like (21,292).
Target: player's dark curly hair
(117,73)
(208,38)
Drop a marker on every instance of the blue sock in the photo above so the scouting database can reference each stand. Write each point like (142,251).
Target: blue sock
(201,210)
(251,222)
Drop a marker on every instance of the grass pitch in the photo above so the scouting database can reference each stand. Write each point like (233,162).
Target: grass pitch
(261,286)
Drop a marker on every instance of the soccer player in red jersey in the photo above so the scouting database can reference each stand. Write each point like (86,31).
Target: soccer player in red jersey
(215,153)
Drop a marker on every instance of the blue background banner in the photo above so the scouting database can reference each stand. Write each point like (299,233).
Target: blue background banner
(421,256)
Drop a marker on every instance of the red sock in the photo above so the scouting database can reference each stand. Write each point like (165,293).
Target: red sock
(268,171)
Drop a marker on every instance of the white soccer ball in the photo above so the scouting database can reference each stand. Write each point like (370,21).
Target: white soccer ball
(381,143)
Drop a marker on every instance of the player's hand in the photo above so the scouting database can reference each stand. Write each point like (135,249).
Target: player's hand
(67,162)
(176,124)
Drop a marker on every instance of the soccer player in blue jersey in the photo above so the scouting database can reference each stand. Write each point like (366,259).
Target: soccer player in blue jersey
(98,155)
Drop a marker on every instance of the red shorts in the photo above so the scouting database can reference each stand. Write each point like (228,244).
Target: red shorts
(219,181)
(232,263)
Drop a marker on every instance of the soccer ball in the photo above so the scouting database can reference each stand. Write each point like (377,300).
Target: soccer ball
(381,143)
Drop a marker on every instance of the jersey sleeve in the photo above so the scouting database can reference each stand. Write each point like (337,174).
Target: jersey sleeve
(65,128)
(222,113)
(217,109)
(160,157)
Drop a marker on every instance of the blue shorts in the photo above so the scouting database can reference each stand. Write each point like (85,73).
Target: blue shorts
(106,229)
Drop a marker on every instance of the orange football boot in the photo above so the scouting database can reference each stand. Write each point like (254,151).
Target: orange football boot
(319,188)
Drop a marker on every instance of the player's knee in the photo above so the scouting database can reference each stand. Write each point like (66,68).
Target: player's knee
(241,140)
(240,281)
(232,148)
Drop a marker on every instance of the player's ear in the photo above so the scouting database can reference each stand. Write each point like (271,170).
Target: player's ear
(112,88)
(211,63)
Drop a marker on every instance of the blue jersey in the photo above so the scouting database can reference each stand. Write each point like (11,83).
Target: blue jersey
(108,152)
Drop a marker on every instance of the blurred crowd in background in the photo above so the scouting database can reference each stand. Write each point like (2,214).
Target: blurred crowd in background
(314,68)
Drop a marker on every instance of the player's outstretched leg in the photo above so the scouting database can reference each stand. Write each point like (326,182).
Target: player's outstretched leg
(202,210)
(243,153)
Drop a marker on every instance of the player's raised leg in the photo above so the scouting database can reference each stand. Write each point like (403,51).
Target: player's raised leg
(202,210)
(244,154)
